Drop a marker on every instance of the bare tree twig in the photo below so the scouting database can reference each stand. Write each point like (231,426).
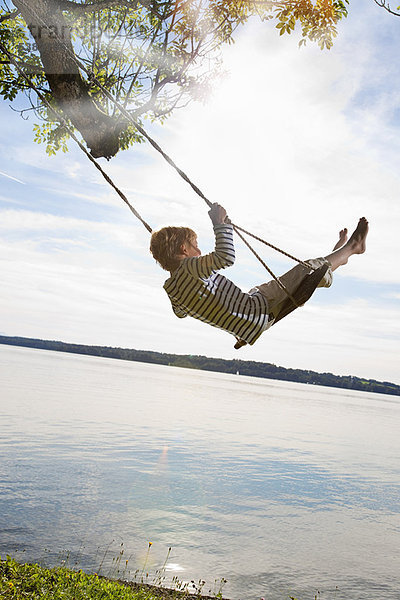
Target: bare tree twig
(385,5)
(79,8)
(10,15)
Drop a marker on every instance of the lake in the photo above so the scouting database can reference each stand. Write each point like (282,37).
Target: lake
(280,488)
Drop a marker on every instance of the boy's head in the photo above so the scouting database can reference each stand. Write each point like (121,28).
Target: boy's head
(170,245)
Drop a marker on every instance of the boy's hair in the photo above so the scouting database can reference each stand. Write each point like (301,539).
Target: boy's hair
(165,245)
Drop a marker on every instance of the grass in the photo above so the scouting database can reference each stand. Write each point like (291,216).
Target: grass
(23,581)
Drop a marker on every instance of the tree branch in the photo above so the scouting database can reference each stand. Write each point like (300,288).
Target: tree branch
(10,15)
(385,5)
(68,88)
(78,8)
(33,69)
(140,66)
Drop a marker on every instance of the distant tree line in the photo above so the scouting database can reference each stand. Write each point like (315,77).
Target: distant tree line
(243,367)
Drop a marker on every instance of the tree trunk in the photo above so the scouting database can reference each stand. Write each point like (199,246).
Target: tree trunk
(70,91)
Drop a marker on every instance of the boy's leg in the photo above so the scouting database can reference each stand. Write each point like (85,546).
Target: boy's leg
(340,255)
(275,295)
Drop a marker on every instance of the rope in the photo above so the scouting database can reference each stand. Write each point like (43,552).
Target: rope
(155,145)
(304,264)
(71,133)
(278,281)
(122,109)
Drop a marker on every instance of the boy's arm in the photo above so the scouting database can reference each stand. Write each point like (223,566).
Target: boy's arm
(224,253)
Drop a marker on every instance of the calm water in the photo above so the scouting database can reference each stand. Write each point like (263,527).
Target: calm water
(281,488)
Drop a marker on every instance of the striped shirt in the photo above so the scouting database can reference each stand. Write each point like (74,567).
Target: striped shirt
(198,290)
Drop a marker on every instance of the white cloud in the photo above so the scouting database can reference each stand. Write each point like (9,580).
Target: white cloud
(88,296)
(56,228)
(285,152)
(296,144)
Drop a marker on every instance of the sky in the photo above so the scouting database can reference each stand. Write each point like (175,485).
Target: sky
(295,143)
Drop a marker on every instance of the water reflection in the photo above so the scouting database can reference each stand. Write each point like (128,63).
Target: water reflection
(277,487)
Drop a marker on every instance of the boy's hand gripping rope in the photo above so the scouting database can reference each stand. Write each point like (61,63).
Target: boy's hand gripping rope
(150,140)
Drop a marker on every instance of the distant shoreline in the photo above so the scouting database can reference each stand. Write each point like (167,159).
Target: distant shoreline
(242,367)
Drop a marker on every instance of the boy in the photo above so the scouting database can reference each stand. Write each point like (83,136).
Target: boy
(196,288)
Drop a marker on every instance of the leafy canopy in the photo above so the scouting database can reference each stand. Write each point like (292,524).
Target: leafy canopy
(153,56)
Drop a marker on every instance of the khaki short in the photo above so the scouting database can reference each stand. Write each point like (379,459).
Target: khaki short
(275,295)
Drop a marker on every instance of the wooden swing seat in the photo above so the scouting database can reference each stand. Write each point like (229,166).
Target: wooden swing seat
(302,293)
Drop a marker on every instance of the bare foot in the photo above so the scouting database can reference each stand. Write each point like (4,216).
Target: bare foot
(355,245)
(358,238)
(342,239)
